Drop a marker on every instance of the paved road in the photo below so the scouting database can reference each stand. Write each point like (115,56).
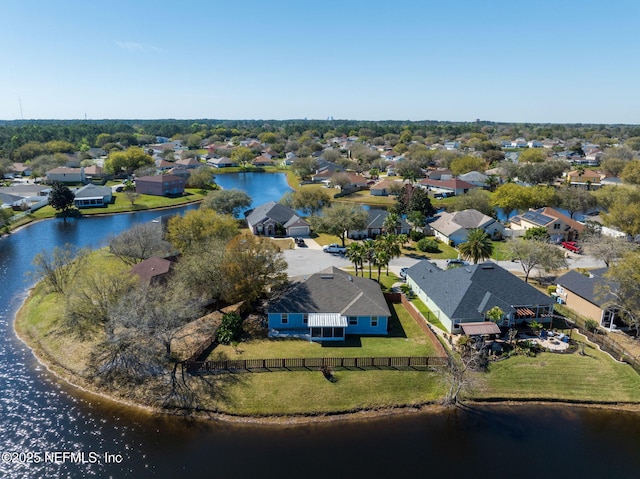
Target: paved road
(311,259)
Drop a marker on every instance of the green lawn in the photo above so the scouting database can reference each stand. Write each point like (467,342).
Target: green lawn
(446,252)
(304,392)
(405,339)
(420,306)
(123,205)
(593,377)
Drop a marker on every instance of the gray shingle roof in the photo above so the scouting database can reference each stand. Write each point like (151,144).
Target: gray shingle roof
(333,291)
(272,210)
(376,220)
(470,291)
(586,287)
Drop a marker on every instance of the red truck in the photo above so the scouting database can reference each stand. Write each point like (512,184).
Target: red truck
(571,246)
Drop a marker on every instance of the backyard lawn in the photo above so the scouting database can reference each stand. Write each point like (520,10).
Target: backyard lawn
(405,339)
(592,377)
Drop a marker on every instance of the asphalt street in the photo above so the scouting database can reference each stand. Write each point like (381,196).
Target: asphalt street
(311,259)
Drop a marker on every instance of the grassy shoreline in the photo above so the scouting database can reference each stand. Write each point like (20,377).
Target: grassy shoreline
(267,397)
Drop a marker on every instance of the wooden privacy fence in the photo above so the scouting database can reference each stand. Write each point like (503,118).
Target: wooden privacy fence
(248,365)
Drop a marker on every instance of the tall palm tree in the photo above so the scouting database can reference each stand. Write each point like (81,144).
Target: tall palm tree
(356,252)
(391,223)
(392,245)
(478,246)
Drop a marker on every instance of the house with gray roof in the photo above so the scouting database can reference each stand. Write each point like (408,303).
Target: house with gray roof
(585,294)
(475,178)
(453,228)
(463,295)
(327,306)
(274,219)
(375,225)
(92,196)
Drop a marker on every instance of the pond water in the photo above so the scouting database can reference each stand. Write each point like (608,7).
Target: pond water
(40,415)
(261,187)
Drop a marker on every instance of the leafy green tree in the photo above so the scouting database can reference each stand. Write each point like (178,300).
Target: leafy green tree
(476,198)
(61,199)
(253,266)
(197,227)
(409,170)
(535,254)
(428,245)
(465,164)
(537,233)
(624,216)
(201,178)
(5,218)
(127,161)
(478,246)
(230,328)
(339,219)
(391,223)
(495,314)
(510,196)
(310,200)
(575,199)
(227,202)
(242,155)
(413,198)
(541,173)
(533,155)
(631,173)
(304,167)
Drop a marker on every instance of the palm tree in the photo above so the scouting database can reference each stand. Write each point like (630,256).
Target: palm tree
(381,258)
(356,252)
(478,246)
(392,246)
(391,223)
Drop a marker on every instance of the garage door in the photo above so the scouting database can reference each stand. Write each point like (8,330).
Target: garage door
(299,231)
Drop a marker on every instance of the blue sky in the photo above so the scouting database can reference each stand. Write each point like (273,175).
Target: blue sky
(458,60)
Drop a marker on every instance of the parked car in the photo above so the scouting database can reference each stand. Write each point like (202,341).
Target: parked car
(300,242)
(403,273)
(334,248)
(571,246)
(452,263)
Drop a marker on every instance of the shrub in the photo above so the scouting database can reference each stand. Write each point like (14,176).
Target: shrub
(551,288)
(230,328)
(416,235)
(591,325)
(427,245)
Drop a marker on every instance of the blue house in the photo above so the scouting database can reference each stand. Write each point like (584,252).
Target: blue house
(327,306)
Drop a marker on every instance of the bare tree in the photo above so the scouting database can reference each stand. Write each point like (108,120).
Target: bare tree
(607,248)
(57,268)
(138,243)
(459,375)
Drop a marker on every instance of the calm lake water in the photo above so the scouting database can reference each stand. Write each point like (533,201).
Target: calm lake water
(40,415)
(261,187)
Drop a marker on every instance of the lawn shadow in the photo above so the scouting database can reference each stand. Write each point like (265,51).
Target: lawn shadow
(351,341)
(395,329)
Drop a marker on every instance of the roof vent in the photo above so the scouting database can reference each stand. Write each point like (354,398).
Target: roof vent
(326,276)
(487,266)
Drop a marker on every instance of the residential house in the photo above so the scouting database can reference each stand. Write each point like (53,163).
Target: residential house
(453,228)
(535,144)
(93,172)
(375,225)
(475,178)
(164,165)
(355,181)
(440,174)
(560,227)
(222,162)
(585,294)
(463,295)
(92,196)
(385,188)
(188,163)
(451,145)
(274,219)
(327,306)
(160,185)
(262,161)
(64,174)
(588,179)
(153,270)
(17,169)
(446,188)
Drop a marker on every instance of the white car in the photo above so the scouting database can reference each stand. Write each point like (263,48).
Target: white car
(334,248)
